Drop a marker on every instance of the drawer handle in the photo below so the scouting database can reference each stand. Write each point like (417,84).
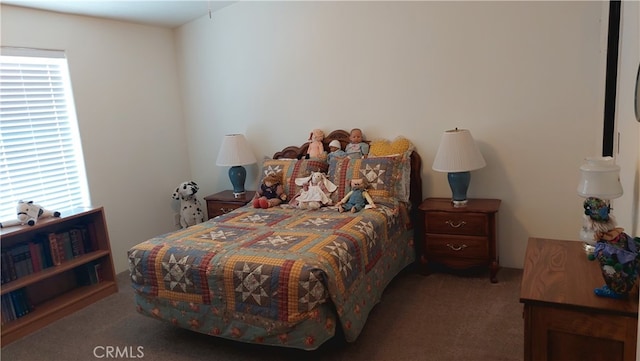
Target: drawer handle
(455,225)
(225,210)
(456,248)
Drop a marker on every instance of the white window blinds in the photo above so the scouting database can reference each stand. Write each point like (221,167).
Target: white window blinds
(40,153)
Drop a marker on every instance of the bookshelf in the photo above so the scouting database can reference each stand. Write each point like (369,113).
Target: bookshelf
(42,283)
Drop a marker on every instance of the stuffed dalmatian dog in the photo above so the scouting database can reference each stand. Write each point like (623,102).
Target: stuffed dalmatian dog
(190,206)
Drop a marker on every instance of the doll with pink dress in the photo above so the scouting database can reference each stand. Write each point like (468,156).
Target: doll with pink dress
(316,147)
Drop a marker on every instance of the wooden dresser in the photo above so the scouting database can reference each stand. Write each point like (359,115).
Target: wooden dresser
(563,318)
(460,238)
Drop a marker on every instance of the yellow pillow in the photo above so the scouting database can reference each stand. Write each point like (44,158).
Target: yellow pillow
(383,147)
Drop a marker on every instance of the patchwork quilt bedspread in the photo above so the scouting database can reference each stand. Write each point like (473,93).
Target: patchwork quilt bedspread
(257,274)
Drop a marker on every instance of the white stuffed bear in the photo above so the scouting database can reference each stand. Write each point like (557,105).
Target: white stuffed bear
(315,191)
(29,213)
(190,206)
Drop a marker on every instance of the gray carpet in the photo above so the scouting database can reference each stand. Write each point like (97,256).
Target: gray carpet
(436,317)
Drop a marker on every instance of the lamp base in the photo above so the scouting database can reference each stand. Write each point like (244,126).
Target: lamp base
(237,176)
(459,183)
(459,204)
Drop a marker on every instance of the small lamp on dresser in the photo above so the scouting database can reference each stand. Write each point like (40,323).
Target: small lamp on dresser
(235,152)
(458,155)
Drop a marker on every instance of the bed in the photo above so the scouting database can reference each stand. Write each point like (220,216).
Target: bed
(285,276)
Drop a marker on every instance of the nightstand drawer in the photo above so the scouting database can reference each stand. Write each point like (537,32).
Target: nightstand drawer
(215,209)
(458,247)
(225,202)
(473,224)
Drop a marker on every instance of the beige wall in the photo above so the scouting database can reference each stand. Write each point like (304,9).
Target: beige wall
(527,78)
(125,85)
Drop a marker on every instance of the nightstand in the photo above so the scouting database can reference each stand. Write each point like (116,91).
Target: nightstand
(460,238)
(224,202)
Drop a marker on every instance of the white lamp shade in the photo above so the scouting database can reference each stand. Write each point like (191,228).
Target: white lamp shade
(458,152)
(234,151)
(600,178)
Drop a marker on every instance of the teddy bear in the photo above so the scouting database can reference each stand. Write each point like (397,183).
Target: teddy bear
(270,193)
(315,191)
(190,206)
(29,213)
(316,147)
(357,198)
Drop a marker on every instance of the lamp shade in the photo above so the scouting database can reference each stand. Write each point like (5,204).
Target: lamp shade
(458,152)
(600,178)
(234,151)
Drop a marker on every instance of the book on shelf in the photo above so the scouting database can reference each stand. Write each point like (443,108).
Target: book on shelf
(15,255)
(36,264)
(15,305)
(77,242)
(53,247)
(64,242)
(21,259)
(8,268)
(92,237)
(43,240)
(89,274)
(44,252)
(8,309)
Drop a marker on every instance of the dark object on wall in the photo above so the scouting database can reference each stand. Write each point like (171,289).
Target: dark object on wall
(637,103)
(611,78)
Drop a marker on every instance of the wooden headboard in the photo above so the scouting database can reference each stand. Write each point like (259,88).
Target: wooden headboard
(298,152)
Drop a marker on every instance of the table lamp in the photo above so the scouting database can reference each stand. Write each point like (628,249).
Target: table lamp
(235,152)
(458,155)
(599,183)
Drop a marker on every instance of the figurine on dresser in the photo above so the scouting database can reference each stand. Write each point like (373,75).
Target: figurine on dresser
(616,251)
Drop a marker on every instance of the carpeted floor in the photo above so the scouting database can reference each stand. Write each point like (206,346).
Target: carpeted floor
(436,317)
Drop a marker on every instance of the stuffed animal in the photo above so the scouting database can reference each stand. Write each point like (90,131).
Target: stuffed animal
(315,191)
(357,198)
(190,206)
(271,193)
(597,220)
(29,213)
(316,147)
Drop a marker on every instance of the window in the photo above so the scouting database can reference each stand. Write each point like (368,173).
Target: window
(40,152)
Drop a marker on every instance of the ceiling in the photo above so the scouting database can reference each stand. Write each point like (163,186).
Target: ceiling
(160,13)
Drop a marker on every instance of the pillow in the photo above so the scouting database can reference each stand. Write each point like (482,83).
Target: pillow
(383,147)
(292,169)
(386,175)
